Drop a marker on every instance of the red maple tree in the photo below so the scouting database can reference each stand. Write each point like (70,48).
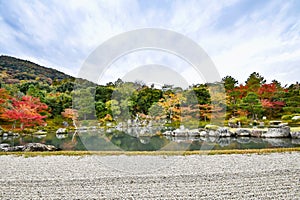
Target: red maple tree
(26,111)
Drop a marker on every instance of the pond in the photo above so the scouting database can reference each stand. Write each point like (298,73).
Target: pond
(145,139)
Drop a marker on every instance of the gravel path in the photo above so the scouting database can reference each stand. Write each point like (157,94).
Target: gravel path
(270,176)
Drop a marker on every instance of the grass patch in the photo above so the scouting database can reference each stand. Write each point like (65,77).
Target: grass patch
(295,129)
(152,153)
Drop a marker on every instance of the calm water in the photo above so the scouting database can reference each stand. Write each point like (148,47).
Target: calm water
(146,139)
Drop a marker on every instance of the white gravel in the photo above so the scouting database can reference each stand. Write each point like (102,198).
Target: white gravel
(268,176)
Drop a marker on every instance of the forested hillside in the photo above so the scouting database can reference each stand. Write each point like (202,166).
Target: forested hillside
(13,70)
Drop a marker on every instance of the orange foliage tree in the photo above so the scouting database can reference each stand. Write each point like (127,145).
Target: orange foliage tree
(27,111)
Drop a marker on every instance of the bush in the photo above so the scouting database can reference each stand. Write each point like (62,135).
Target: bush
(211,127)
(286,117)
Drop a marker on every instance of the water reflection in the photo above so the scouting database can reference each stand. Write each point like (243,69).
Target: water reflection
(239,142)
(144,139)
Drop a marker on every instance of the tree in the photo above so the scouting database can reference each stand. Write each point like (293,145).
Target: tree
(252,104)
(4,97)
(254,81)
(292,99)
(83,101)
(71,114)
(156,111)
(57,102)
(145,97)
(229,83)
(171,104)
(28,112)
(113,108)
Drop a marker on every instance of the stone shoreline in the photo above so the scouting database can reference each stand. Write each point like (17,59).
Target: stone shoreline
(278,132)
(268,176)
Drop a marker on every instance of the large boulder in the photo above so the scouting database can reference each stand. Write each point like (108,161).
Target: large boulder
(241,132)
(194,133)
(7,148)
(282,132)
(38,147)
(203,133)
(257,133)
(296,118)
(213,133)
(180,133)
(224,132)
(4,146)
(295,135)
(61,131)
(220,132)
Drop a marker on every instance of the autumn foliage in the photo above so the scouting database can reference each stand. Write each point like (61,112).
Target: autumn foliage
(27,111)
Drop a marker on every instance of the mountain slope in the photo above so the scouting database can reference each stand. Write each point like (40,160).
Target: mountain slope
(12,70)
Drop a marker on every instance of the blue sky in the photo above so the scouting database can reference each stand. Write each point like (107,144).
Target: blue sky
(239,36)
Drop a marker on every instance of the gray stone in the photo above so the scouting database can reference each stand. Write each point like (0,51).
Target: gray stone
(212,133)
(243,132)
(277,132)
(38,147)
(295,135)
(256,133)
(203,133)
(61,131)
(4,146)
(224,132)
(194,133)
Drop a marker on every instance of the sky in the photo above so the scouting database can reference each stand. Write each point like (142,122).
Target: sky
(240,37)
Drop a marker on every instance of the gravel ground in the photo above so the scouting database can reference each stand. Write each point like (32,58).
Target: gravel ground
(268,176)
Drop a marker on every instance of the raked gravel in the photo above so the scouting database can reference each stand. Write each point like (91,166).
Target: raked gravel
(267,176)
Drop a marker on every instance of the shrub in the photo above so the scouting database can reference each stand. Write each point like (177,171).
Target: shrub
(211,127)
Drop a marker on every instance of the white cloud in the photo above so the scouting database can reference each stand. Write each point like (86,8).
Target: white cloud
(238,36)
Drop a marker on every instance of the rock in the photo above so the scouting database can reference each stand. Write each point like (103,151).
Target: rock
(61,136)
(194,133)
(7,148)
(61,131)
(203,133)
(257,133)
(212,133)
(296,118)
(224,132)
(295,135)
(168,133)
(40,132)
(179,133)
(243,132)
(4,146)
(220,132)
(277,132)
(38,147)
(15,148)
